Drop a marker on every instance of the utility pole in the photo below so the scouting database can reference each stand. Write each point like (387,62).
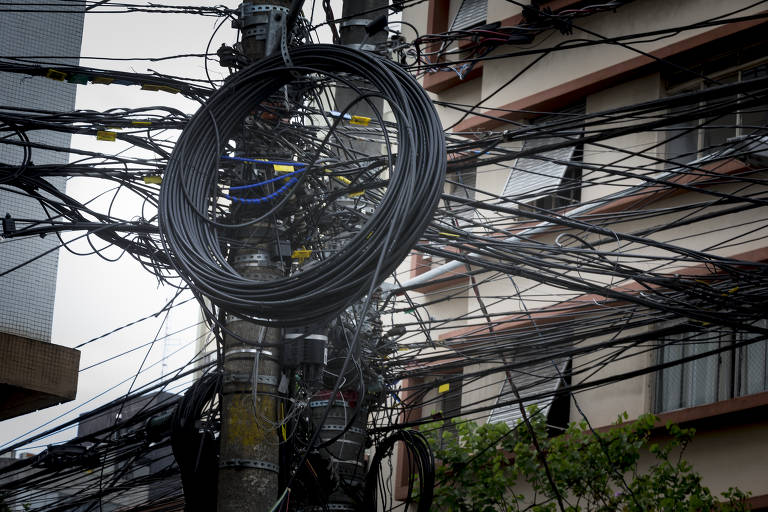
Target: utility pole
(249,453)
(249,450)
(358,14)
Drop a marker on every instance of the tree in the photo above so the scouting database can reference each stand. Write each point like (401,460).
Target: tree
(492,468)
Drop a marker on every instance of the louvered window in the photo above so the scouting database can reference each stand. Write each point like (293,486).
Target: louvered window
(461,184)
(537,385)
(471,13)
(549,179)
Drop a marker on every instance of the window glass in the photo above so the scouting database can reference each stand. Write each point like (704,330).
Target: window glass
(735,371)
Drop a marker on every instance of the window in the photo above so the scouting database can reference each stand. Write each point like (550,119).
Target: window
(461,184)
(447,404)
(470,14)
(543,379)
(550,179)
(734,372)
(694,139)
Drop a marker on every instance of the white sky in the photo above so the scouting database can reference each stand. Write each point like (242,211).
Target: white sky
(94,296)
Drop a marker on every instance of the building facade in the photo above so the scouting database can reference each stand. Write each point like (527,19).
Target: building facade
(618,260)
(33,372)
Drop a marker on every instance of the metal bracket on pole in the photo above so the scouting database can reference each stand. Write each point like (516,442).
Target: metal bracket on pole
(264,22)
(361,47)
(358,22)
(250,463)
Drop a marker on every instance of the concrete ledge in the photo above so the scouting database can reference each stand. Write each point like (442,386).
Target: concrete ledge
(35,375)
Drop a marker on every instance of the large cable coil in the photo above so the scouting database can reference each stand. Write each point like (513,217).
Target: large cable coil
(195,234)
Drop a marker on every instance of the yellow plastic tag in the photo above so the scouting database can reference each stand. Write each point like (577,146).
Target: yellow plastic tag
(168,89)
(153,87)
(443,388)
(342,179)
(56,75)
(360,120)
(104,135)
(141,123)
(154,180)
(301,254)
(283,168)
(347,181)
(102,80)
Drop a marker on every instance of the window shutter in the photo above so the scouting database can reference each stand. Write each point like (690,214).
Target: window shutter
(540,175)
(531,382)
(470,13)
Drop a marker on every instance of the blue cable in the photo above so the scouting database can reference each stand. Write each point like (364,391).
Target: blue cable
(266,198)
(267,162)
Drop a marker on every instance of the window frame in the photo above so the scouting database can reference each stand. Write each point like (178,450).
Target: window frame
(730,370)
(568,191)
(699,126)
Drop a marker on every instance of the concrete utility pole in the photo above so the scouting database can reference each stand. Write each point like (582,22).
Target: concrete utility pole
(352,34)
(249,453)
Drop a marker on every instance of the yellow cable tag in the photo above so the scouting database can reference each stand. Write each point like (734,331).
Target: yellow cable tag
(443,388)
(56,75)
(301,254)
(105,135)
(105,80)
(346,181)
(360,120)
(154,87)
(282,423)
(283,168)
(141,123)
(153,180)
(171,90)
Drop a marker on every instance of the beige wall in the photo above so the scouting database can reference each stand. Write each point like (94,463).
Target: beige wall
(732,456)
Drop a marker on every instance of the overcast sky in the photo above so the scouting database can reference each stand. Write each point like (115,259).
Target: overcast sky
(94,296)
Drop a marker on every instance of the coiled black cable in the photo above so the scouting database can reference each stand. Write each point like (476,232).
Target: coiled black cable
(420,455)
(194,235)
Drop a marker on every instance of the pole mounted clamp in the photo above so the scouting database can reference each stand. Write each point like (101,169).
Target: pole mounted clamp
(339,506)
(249,464)
(357,22)
(324,403)
(246,378)
(256,259)
(361,47)
(248,353)
(339,428)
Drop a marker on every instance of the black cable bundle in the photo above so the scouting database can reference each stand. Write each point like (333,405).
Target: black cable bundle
(193,234)
(195,446)
(419,454)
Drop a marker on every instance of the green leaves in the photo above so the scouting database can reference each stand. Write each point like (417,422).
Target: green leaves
(492,468)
